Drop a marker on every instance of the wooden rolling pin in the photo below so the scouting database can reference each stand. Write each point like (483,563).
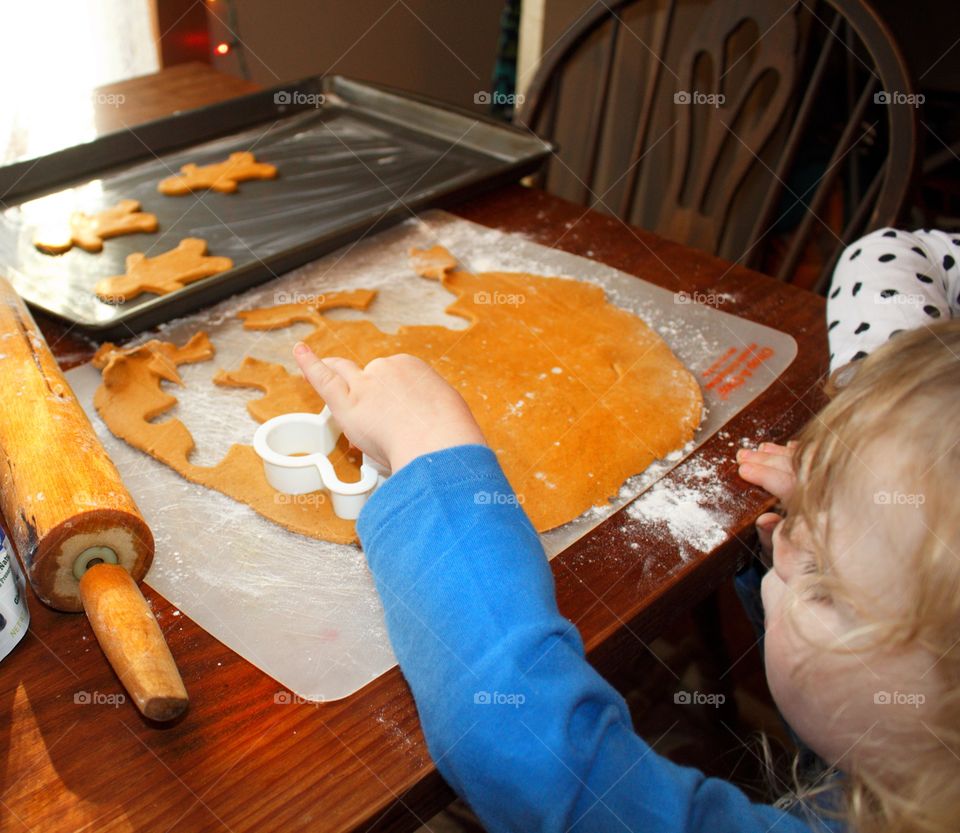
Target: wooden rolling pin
(81,538)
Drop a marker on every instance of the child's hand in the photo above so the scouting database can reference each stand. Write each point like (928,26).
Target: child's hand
(394,409)
(771,468)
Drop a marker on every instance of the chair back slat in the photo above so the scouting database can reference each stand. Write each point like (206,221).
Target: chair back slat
(812,214)
(598,116)
(646,110)
(854,229)
(551,106)
(765,220)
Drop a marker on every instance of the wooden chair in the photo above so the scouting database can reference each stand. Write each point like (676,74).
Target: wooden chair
(769,132)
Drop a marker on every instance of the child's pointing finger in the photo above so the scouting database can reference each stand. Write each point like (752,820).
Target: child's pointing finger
(322,376)
(777,483)
(347,370)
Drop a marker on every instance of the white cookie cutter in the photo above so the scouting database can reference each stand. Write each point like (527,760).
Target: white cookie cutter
(294,449)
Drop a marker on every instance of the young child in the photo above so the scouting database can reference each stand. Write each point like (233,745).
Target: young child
(862,611)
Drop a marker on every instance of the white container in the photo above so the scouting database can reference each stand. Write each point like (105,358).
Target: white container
(14,616)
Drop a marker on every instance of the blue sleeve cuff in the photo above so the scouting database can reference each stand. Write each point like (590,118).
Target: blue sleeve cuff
(430,475)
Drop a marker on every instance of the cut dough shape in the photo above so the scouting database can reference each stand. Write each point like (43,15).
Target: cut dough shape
(432,263)
(164,273)
(220,176)
(573,394)
(88,231)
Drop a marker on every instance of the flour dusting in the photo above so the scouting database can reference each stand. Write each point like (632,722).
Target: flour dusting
(688,511)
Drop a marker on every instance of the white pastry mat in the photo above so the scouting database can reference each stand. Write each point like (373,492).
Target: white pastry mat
(305,611)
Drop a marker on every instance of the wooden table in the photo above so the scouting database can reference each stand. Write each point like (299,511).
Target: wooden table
(239,761)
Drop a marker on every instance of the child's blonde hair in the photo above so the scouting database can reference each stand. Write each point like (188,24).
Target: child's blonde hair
(902,402)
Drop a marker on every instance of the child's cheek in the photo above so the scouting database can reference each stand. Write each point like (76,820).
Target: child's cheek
(771,594)
(776,660)
(780,651)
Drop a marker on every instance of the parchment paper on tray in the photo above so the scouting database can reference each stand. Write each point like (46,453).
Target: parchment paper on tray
(305,611)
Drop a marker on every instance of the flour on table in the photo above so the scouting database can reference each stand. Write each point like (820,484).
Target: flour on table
(688,509)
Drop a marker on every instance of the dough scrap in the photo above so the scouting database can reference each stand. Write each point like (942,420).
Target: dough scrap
(164,273)
(88,231)
(573,394)
(220,176)
(432,263)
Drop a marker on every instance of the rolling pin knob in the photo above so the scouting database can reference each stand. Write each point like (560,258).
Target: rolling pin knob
(131,638)
(92,556)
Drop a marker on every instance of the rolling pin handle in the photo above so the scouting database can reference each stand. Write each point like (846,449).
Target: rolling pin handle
(131,638)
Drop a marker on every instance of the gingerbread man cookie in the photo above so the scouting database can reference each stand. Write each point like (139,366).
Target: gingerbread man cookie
(88,231)
(164,273)
(221,176)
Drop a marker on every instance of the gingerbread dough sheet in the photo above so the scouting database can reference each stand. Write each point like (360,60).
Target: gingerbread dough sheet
(305,610)
(573,394)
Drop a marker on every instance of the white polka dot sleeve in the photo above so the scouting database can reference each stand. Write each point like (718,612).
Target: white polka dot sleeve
(887,282)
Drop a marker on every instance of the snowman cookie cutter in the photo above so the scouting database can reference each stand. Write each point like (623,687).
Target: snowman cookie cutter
(294,449)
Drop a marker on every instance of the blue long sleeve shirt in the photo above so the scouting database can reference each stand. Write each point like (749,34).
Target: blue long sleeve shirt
(516,719)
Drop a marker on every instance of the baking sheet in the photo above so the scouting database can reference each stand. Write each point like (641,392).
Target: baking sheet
(305,611)
(361,158)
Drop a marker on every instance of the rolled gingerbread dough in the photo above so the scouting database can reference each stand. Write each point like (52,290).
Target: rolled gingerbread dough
(573,394)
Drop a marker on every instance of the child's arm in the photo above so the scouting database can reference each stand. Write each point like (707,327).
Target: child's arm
(890,281)
(515,718)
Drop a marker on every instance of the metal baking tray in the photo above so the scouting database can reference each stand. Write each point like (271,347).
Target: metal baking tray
(352,158)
